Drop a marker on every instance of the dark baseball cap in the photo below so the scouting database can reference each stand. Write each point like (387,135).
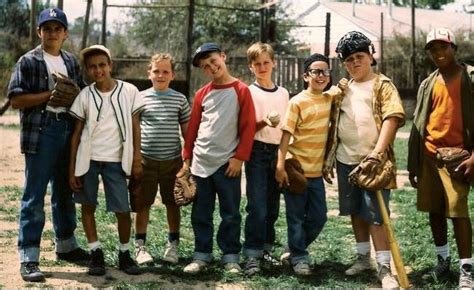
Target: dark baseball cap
(204,49)
(52,14)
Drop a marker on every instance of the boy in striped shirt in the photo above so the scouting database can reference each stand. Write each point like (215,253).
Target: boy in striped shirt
(166,112)
(306,123)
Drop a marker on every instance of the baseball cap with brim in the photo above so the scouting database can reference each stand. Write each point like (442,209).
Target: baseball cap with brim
(204,49)
(52,14)
(92,48)
(440,34)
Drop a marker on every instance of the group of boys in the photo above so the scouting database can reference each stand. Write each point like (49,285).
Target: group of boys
(113,130)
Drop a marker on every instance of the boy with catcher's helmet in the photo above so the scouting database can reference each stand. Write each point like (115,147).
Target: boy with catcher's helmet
(43,86)
(370,114)
(445,107)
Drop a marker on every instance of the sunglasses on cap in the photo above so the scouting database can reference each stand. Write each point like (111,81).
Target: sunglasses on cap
(314,72)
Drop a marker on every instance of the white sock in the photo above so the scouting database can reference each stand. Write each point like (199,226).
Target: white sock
(140,242)
(465,261)
(443,251)
(382,257)
(363,248)
(94,245)
(124,247)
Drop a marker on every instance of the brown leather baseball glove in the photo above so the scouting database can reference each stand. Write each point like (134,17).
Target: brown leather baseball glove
(452,157)
(65,91)
(373,173)
(296,178)
(184,189)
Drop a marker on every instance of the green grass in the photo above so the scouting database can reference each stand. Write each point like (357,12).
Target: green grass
(10,126)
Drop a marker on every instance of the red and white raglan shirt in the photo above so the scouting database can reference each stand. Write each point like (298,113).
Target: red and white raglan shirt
(222,126)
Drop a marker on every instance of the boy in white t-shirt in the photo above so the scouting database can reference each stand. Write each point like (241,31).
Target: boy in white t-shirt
(105,141)
(263,195)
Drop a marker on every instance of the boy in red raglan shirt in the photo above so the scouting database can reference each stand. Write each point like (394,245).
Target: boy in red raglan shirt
(219,139)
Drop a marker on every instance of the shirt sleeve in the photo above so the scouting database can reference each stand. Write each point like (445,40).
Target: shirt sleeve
(193,126)
(18,82)
(291,117)
(138,103)
(391,103)
(185,111)
(247,124)
(78,108)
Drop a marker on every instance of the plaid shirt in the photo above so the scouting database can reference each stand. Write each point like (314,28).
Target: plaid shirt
(31,77)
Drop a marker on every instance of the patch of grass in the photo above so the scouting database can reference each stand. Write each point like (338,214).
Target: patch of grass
(407,126)
(401,153)
(10,126)
(11,192)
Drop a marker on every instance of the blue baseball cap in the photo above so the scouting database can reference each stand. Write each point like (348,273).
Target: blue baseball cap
(52,14)
(203,50)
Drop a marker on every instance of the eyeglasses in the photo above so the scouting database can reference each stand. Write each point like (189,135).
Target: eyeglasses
(317,72)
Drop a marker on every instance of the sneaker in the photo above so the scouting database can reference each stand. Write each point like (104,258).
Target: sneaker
(143,257)
(465,277)
(195,267)
(96,263)
(361,264)
(302,269)
(232,268)
(128,265)
(252,266)
(171,252)
(269,260)
(30,272)
(285,257)
(440,271)
(77,255)
(386,278)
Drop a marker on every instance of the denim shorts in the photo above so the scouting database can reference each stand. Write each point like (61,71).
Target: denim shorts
(354,200)
(115,186)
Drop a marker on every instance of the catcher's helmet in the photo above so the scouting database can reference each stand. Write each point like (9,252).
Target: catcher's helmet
(352,42)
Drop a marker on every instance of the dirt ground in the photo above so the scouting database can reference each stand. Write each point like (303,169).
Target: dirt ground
(70,276)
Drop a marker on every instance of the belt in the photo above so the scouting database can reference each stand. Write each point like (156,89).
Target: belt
(57,116)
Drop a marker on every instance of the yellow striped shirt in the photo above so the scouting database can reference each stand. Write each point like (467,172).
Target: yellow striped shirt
(307,120)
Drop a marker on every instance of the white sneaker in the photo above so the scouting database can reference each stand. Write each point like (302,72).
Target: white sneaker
(386,278)
(232,268)
(361,264)
(285,257)
(302,269)
(195,267)
(171,252)
(143,257)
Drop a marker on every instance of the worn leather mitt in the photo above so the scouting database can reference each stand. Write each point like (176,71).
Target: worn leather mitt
(296,178)
(184,189)
(452,157)
(65,91)
(373,173)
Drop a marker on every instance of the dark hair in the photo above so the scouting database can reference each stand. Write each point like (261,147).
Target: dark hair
(307,63)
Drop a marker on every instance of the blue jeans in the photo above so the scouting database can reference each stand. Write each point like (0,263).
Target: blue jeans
(49,164)
(228,235)
(263,200)
(306,215)
(354,200)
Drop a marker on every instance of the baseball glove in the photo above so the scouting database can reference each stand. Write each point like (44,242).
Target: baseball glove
(373,173)
(452,157)
(296,178)
(184,189)
(65,91)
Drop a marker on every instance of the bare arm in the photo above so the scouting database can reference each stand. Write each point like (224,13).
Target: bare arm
(30,100)
(137,169)
(387,134)
(280,174)
(184,129)
(75,182)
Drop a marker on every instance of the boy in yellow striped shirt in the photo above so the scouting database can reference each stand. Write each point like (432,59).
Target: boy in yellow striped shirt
(306,126)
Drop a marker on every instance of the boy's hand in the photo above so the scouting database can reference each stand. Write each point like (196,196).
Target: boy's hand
(467,166)
(234,168)
(183,169)
(328,174)
(413,180)
(137,170)
(272,119)
(75,183)
(282,177)
(343,84)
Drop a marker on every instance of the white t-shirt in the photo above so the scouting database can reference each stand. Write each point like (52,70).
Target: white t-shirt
(357,130)
(265,101)
(106,143)
(54,63)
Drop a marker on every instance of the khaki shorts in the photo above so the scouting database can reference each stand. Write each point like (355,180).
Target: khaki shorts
(439,193)
(162,173)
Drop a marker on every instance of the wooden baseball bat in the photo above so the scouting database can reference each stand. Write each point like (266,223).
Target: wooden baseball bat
(394,249)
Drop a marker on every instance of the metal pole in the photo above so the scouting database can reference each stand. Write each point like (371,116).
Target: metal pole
(189,41)
(104,22)
(413,45)
(85,32)
(60,4)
